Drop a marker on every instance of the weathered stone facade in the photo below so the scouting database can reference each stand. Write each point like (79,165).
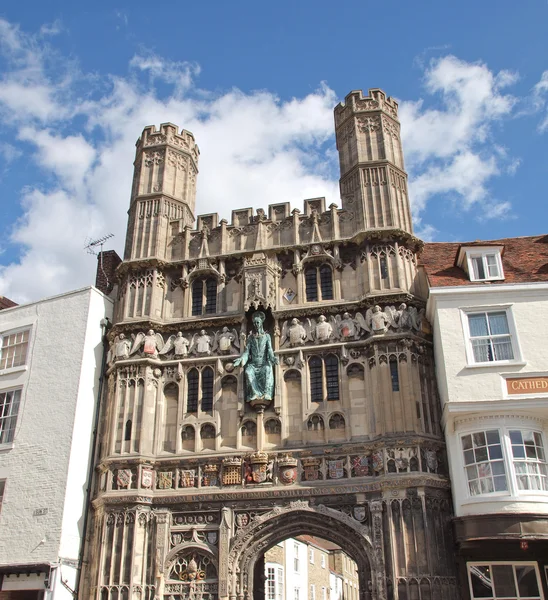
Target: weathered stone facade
(194,483)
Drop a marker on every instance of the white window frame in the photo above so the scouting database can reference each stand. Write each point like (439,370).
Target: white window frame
(312,592)
(517,563)
(9,444)
(513,490)
(482,254)
(311,555)
(296,561)
(14,331)
(323,560)
(516,349)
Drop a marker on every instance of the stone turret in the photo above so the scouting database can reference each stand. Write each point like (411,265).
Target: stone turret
(164,189)
(373,181)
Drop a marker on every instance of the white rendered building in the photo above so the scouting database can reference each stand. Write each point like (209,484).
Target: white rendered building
(50,366)
(488,304)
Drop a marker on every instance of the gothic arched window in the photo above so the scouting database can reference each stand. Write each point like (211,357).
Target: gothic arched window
(207,432)
(273,427)
(200,385)
(315,423)
(324,378)
(336,421)
(204,296)
(319,282)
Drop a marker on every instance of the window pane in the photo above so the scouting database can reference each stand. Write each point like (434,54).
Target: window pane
(311,282)
(479,438)
(498,323)
(492,265)
(326,282)
(332,375)
(503,578)
(527,581)
(197,296)
(495,451)
(394,376)
(211,296)
(466,442)
(9,409)
(316,381)
(192,399)
(502,348)
(478,325)
(482,350)
(207,389)
(480,577)
(477,267)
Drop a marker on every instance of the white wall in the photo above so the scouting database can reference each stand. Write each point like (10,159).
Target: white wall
(475,398)
(47,465)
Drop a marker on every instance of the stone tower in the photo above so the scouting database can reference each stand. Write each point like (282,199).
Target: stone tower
(164,189)
(373,179)
(199,472)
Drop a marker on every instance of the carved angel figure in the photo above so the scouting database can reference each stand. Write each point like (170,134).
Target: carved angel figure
(225,339)
(201,343)
(349,328)
(151,342)
(379,320)
(121,347)
(323,330)
(296,333)
(178,343)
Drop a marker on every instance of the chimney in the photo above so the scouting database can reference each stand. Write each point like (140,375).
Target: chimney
(107,262)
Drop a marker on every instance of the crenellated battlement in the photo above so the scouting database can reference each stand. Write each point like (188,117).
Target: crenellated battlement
(356,102)
(168,134)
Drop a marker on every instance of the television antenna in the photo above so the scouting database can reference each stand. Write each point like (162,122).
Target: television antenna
(92,245)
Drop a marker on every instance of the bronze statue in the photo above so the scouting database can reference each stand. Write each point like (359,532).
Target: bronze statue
(257,360)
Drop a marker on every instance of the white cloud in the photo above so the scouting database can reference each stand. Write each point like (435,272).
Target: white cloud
(256,149)
(449,149)
(539,95)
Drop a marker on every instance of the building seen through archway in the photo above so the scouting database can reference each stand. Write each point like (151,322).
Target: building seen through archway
(309,567)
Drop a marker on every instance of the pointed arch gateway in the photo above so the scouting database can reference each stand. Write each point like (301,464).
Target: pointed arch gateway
(298,518)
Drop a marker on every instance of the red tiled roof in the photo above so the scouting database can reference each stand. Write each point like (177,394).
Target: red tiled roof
(6,302)
(316,541)
(524,259)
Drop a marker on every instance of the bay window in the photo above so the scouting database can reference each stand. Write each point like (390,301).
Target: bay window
(511,581)
(511,461)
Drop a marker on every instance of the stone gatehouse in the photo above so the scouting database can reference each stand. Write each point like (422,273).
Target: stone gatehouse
(196,479)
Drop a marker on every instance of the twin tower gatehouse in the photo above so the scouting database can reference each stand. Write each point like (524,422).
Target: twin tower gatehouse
(268,377)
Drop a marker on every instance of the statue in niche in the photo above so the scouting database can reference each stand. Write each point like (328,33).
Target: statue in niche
(178,343)
(296,333)
(201,343)
(121,347)
(323,330)
(258,359)
(225,339)
(152,343)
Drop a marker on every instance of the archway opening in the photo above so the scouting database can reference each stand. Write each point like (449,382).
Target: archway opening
(306,567)
(321,529)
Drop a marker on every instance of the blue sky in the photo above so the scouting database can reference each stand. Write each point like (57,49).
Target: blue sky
(256,83)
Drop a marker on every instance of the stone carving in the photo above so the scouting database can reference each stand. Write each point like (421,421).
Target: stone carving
(178,343)
(294,333)
(151,342)
(210,475)
(146,478)
(201,343)
(121,347)
(225,340)
(323,331)
(259,468)
(123,478)
(258,359)
(188,478)
(287,469)
(165,480)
